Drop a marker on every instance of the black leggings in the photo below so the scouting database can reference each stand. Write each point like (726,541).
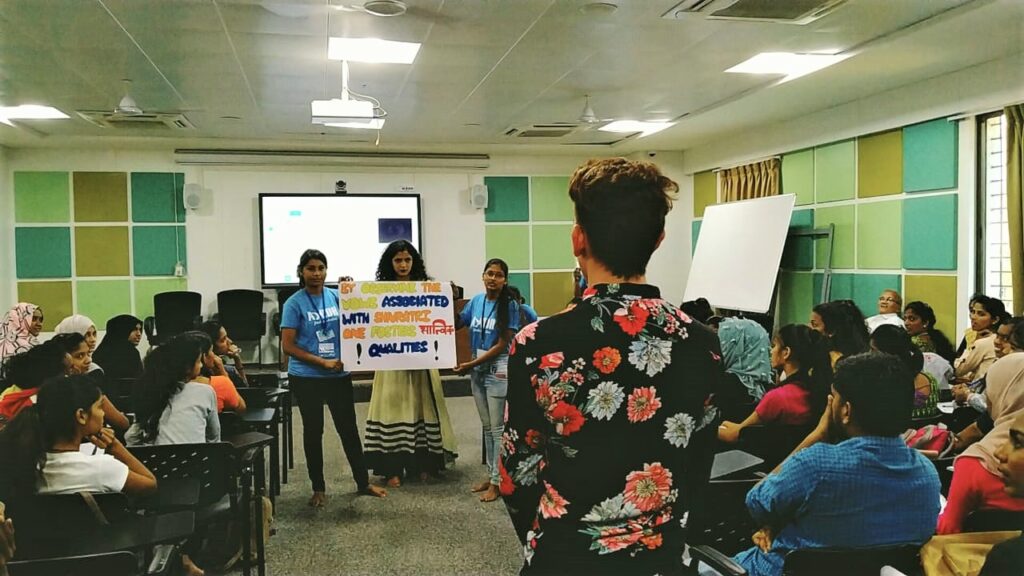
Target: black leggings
(311,395)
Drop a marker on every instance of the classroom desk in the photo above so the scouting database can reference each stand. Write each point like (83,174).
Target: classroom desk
(249,448)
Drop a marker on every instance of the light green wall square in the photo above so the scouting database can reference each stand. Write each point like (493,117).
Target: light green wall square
(521,280)
(880,235)
(508,199)
(843,240)
(552,247)
(930,156)
(510,242)
(53,297)
(42,197)
(157,197)
(705,191)
(101,196)
(835,171)
(42,252)
(146,289)
(796,297)
(549,196)
(101,300)
(101,251)
(156,249)
(798,176)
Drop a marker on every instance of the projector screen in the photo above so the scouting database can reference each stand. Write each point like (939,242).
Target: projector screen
(352,230)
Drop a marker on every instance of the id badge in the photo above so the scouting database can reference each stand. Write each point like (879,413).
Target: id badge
(325,348)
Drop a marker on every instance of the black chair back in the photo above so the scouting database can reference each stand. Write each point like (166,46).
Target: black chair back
(176,312)
(241,314)
(852,561)
(210,463)
(108,564)
(772,443)
(993,521)
(720,518)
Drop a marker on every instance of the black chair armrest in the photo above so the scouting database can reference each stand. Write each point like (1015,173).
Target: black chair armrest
(715,559)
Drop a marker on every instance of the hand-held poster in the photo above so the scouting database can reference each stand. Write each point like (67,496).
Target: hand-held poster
(397,325)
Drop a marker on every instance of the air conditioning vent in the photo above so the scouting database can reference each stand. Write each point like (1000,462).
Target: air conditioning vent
(556,130)
(799,12)
(150,121)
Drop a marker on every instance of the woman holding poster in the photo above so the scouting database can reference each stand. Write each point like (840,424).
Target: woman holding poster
(309,334)
(493,318)
(408,432)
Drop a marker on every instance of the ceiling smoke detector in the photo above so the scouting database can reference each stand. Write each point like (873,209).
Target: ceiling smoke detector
(385,7)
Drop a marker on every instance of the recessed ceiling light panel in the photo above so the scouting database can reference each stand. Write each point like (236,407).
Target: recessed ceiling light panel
(372,50)
(630,126)
(31,112)
(786,63)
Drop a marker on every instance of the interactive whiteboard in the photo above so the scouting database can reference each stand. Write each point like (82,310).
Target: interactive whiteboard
(738,253)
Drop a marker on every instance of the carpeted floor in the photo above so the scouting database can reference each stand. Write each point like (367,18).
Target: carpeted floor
(433,528)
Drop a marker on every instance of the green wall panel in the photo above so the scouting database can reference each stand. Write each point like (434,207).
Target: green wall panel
(798,176)
(930,156)
(145,289)
(156,249)
(101,300)
(694,234)
(508,199)
(842,288)
(552,247)
(53,297)
(43,252)
(798,253)
(705,191)
(939,292)
(796,297)
(157,197)
(880,164)
(552,292)
(511,243)
(521,280)
(843,240)
(835,171)
(101,196)
(42,197)
(549,196)
(929,233)
(867,288)
(101,251)
(879,234)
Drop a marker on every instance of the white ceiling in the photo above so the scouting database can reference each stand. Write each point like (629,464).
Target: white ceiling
(244,71)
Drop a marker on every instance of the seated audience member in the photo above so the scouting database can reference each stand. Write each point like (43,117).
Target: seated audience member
(19,329)
(527,315)
(78,324)
(748,371)
(174,408)
(225,348)
(977,477)
(977,349)
(866,488)
(889,305)
(919,321)
(24,373)
(895,340)
(214,374)
(78,361)
(7,545)
(805,372)
(607,444)
(118,352)
(842,322)
(1008,557)
(973,394)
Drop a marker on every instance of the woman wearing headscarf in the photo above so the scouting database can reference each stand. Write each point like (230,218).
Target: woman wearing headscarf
(748,371)
(117,353)
(19,329)
(977,478)
(78,324)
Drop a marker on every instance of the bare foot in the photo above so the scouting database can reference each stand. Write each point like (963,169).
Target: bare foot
(481,486)
(394,482)
(317,500)
(491,494)
(190,568)
(372,490)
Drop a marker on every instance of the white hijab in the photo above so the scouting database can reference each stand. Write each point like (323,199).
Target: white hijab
(75,323)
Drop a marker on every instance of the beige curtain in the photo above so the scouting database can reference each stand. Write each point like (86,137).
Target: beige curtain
(1014,201)
(757,180)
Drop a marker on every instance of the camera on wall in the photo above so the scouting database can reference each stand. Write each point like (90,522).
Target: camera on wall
(340,187)
(651,153)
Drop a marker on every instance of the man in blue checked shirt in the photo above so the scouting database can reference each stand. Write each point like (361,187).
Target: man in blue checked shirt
(856,484)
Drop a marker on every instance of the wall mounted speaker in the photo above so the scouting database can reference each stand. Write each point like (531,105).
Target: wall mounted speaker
(478,196)
(192,196)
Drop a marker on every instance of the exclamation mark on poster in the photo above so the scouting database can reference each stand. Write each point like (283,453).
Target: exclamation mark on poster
(435,351)
(359,353)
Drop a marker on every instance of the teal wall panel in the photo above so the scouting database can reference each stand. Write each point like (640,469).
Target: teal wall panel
(930,156)
(929,233)
(43,252)
(508,199)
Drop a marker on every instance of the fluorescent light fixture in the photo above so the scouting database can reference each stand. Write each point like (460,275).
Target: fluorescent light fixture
(372,50)
(363,123)
(31,112)
(645,128)
(787,63)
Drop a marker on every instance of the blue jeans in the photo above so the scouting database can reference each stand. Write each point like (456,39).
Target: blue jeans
(490,385)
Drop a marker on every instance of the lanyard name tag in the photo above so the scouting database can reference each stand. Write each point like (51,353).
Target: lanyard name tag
(325,347)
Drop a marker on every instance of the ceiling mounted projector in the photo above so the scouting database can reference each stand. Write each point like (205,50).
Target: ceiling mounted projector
(341,110)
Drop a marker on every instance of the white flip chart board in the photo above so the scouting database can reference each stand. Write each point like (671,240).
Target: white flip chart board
(738,253)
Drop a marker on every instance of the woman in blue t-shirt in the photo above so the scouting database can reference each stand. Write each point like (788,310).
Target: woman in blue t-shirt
(492,318)
(317,376)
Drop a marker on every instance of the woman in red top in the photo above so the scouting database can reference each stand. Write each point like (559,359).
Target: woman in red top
(801,356)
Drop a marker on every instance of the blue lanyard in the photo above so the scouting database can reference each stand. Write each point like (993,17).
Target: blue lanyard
(483,306)
(322,312)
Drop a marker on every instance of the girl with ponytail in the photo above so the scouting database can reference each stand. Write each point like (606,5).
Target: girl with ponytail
(493,319)
(894,340)
(801,355)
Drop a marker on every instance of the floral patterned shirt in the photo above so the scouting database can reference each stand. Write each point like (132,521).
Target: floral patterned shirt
(607,440)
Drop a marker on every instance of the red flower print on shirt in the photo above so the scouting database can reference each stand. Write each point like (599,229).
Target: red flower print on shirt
(527,333)
(547,396)
(566,418)
(507,486)
(553,360)
(648,489)
(642,404)
(653,541)
(588,292)
(616,542)
(633,319)
(552,505)
(534,439)
(607,359)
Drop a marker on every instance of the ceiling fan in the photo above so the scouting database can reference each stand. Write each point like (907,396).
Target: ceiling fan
(379,8)
(588,116)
